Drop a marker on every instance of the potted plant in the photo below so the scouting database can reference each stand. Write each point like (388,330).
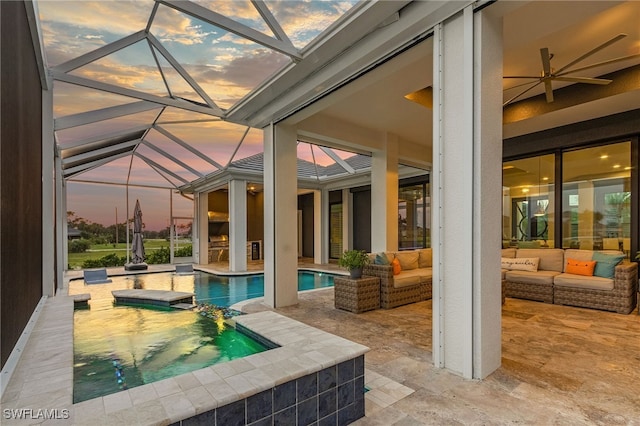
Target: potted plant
(354,261)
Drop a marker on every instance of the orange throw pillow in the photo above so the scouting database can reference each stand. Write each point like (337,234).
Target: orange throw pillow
(580,267)
(396,266)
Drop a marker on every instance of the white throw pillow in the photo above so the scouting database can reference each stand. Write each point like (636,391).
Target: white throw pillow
(521,263)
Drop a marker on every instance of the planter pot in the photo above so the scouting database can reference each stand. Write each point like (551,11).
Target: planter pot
(355,273)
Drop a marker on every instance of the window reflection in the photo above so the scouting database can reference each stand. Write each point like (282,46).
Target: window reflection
(413,225)
(596,198)
(528,202)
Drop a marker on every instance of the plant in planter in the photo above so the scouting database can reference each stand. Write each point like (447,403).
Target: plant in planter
(354,261)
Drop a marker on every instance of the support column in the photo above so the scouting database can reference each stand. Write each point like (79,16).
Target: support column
(202,218)
(320,217)
(48,191)
(237,225)
(280,216)
(347,219)
(384,197)
(61,224)
(467,189)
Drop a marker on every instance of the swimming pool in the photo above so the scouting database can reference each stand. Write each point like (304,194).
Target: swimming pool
(119,346)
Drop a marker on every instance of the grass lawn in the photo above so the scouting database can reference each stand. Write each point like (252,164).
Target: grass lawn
(97,251)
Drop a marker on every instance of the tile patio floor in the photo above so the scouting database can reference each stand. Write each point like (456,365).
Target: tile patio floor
(560,365)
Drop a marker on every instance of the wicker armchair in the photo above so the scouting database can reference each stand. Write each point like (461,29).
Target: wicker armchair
(622,299)
(391,296)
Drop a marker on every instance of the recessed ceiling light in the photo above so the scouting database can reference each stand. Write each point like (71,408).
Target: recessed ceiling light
(616,166)
(602,157)
(545,178)
(628,168)
(525,190)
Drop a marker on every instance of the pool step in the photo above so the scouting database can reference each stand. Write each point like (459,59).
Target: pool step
(152,297)
(185,306)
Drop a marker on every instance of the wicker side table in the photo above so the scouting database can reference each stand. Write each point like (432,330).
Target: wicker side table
(357,295)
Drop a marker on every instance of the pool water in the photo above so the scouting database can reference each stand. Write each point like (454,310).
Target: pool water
(119,346)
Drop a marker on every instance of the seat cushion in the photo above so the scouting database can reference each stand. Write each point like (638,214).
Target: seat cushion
(408,278)
(583,281)
(526,277)
(425,258)
(504,273)
(550,259)
(408,259)
(509,252)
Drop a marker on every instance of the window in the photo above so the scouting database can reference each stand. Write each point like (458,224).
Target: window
(596,198)
(528,202)
(413,216)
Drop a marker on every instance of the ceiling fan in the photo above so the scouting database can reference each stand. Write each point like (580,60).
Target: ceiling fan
(548,74)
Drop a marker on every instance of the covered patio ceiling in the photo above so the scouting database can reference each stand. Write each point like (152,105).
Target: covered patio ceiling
(175,91)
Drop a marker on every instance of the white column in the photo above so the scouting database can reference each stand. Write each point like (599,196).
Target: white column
(202,218)
(280,216)
(48,191)
(347,220)
(61,224)
(320,214)
(237,225)
(466,218)
(384,197)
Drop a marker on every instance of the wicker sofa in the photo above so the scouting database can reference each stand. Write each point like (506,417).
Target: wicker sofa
(551,283)
(411,285)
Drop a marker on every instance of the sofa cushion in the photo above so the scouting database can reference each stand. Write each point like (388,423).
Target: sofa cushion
(582,281)
(576,254)
(381,259)
(509,252)
(425,258)
(408,278)
(550,259)
(526,277)
(504,274)
(580,267)
(408,259)
(521,264)
(606,264)
(395,264)
(426,275)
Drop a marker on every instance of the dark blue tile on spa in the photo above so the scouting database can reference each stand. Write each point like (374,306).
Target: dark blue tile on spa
(284,396)
(231,414)
(207,418)
(327,402)
(327,379)
(285,417)
(345,371)
(358,408)
(359,366)
(358,385)
(345,395)
(331,420)
(307,386)
(266,421)
(346,416)
(308,411)
(259,406)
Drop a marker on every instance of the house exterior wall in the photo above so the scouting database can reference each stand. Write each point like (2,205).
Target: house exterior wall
(20,176)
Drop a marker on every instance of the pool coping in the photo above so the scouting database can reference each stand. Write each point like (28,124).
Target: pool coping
(43,379)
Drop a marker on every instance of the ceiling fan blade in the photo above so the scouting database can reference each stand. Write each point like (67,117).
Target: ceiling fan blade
(521,93)
(548,90)
(521,84)
(607,62)
(592,51)
(587,80)
(546,60)
(522,76)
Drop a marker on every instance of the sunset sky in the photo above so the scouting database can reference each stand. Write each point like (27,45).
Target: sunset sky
(226,66)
